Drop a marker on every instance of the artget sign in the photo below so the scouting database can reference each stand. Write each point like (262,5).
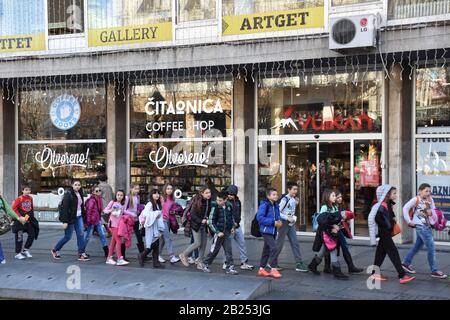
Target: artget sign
(130,34)
(30,42)
(273,21)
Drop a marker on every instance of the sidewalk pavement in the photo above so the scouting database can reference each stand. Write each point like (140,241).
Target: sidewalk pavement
(44,278)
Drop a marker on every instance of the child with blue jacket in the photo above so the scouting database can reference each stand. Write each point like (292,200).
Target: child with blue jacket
(268,217)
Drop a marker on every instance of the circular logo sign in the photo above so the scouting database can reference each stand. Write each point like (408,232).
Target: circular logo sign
(363,22)
(65,112)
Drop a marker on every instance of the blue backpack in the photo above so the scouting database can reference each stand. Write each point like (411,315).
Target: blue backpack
(315,223)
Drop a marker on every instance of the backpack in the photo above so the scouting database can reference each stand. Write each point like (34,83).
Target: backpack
(284,195)
(411,211)
(441,222)
(186,219)
(61,206)
(315,222)
(254,230)
(6,221)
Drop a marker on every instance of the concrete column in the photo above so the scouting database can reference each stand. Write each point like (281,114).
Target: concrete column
(244,143)
(111,134)
(8,170)
(399,142)
(120,138)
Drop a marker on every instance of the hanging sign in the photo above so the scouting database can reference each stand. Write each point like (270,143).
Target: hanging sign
(273,21)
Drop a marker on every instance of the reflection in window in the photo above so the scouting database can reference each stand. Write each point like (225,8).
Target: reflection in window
(150,169)
(35,122)
(22,17)
(194,10)
(239,7)
(48,167)
(181,110)
(368,176)
(403,9)
(269,174)
(433,100)
(347,2)
(320,103)
(65,17)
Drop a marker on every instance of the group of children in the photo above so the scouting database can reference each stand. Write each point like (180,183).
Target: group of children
(153,223)
(275,217)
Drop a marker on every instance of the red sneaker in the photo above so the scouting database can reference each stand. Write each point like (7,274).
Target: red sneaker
(406,279)
(263,273)
(274,273)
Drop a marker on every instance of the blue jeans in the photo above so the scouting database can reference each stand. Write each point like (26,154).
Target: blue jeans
(424,236)
(238,236)
(2,257)
(343,242)
(78,227)
(167,240)
(101,234)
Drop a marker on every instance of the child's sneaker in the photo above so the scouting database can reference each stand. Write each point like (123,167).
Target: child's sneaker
(408,268)
(300,267)
(55,254)
(3,261)
(20,256)
(438,275)
(232,270)
(246,266)
(190,260)
(406,279)
(174,259)
(111,261)
(83,257)
(274,273)
(263,272)
(204,267)
(121,262)
(224,266)
(27,253)
(161,259)
(200,265)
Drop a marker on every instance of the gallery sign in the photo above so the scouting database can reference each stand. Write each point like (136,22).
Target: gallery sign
(130,34)
(273,21)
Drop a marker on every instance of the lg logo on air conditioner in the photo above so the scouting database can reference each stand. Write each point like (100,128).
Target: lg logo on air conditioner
(363,23)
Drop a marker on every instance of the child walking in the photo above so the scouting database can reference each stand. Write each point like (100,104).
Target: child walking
(327,235)
(115,210)
(167,201)
(27,223)
(221,223)
(133,208)
(268,217)
(4,206)
(381,224)
(151,219)
(421,208)
(94,209)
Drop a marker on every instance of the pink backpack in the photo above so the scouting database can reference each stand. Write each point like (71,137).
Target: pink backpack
(437,220)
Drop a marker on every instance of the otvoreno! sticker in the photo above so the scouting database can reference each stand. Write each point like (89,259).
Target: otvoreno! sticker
(65,112)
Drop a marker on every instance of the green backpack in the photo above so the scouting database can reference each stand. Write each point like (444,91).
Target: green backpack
(6,221)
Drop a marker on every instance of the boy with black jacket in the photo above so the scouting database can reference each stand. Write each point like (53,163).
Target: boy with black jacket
(221,223)
(72,215)
(238,235)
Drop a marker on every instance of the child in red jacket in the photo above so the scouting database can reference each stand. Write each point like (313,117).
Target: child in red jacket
(23,207)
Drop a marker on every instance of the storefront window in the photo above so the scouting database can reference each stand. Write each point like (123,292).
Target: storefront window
(194,10)
(367,177)
(79,113)
(239,7)
(433,144)
(47,167)
(404,9)
(433,100)
(269,167)
(65,16)
(189,110)
(186,165)
(321,104)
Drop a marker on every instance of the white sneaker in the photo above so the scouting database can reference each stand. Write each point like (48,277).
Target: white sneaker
(200,265)
(3,261)
(27,253)
(246,266)
(174,259)
(191,260)
(121,262)
(224,266)
(20,256)
(161,259)
(111,261)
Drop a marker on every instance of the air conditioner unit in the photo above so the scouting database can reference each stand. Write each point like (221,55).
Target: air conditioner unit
(359,31)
